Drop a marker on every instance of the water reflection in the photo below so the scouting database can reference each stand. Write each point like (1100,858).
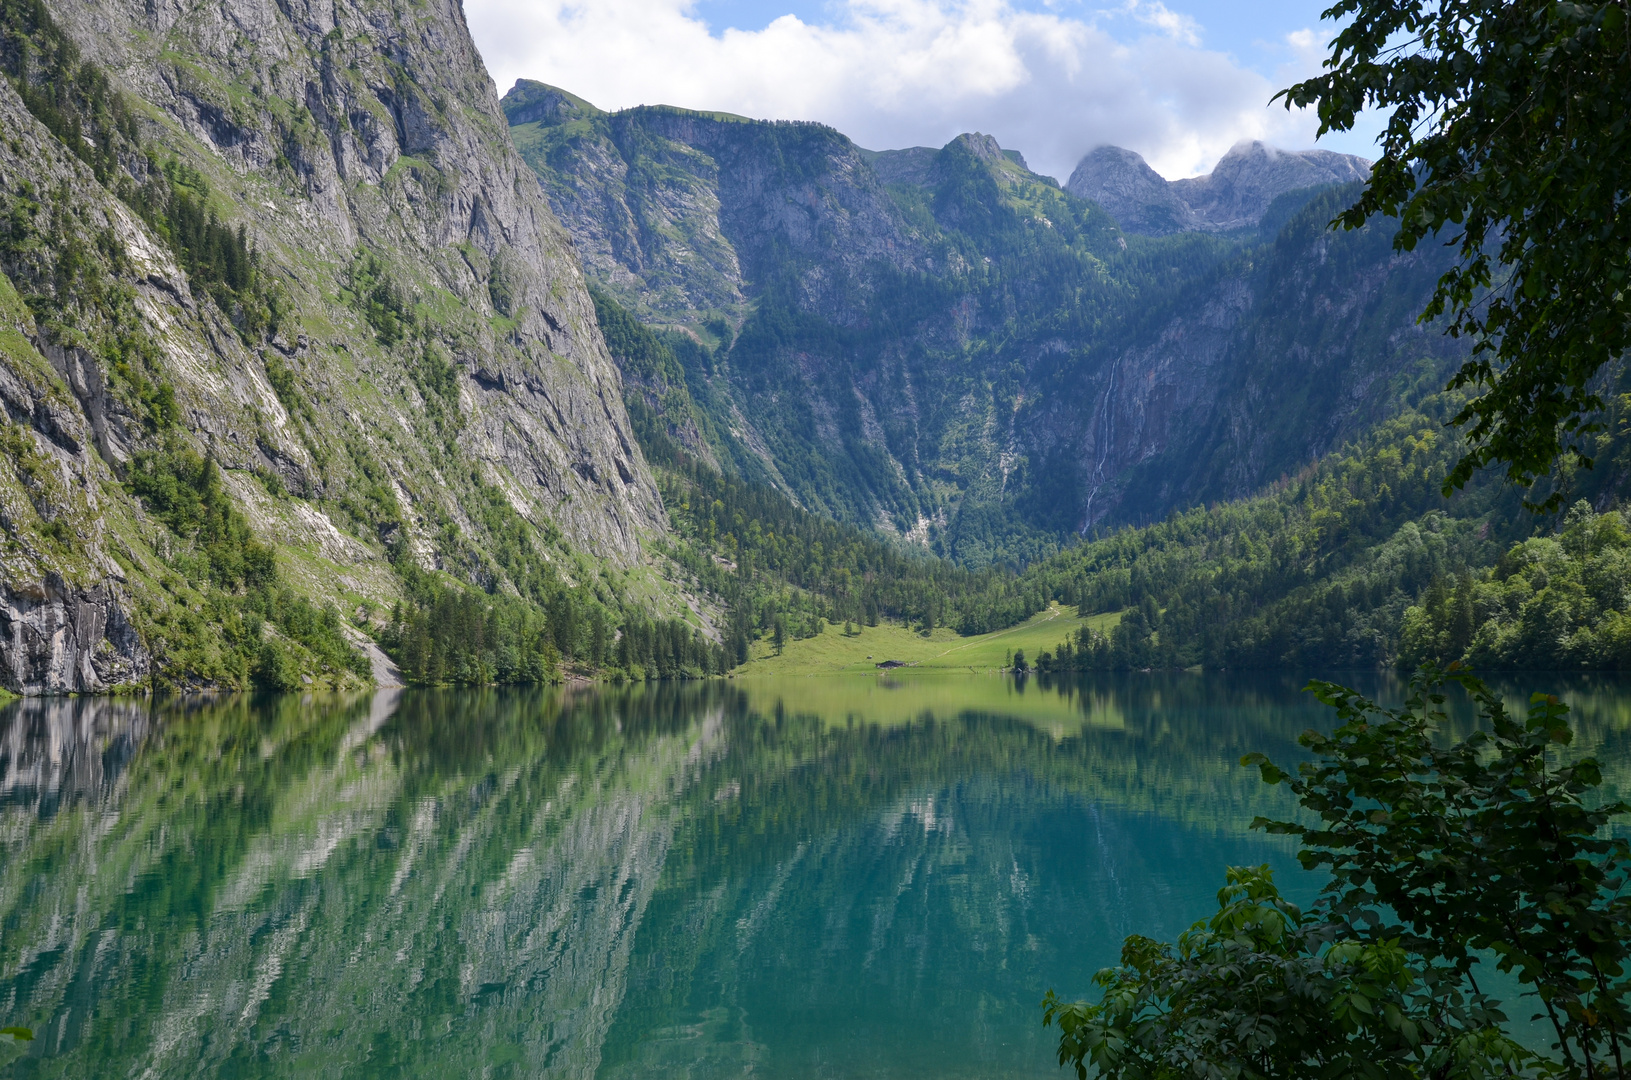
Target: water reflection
(810,877)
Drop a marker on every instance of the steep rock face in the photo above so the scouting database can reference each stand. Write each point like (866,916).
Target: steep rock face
(1271,367)
(840,267)
(1234,195)
(388,125)
(1137,196)
(994,363)
(64,621)
(683,215)
(432,366)
(60,639)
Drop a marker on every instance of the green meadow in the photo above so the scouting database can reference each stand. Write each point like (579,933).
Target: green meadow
(832,652)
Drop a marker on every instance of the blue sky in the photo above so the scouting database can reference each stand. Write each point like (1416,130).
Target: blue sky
(1179,81)
(1252,32)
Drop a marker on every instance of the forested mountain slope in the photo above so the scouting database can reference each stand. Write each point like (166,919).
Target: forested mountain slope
(285,317)
(946,346)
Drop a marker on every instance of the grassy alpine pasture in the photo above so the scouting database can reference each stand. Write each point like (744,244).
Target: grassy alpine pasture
(833,653)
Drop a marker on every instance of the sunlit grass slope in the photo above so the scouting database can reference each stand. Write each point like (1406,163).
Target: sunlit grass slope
(831,652)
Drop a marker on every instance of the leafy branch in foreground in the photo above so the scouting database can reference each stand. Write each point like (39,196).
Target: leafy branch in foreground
(1260,990)
(1442,851)
(1506,122)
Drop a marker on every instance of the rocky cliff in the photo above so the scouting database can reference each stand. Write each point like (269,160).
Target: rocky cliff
(1234,195)
(309,254)
(942,344)
(683,215)
(1293,350)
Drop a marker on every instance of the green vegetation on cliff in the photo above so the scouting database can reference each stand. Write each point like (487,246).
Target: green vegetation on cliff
(943,345)
(259,406)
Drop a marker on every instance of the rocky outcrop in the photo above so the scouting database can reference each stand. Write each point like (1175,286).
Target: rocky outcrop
(676,212)
(1234,195)
(1137,196)
(366,126)
(360,151)
(1265,370)
(57,639)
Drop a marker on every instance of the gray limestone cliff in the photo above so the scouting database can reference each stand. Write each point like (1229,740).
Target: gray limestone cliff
(1234,195)
(359,151)
(681,215)
(941,344)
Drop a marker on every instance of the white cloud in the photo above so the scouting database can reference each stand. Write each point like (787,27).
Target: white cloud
(1181,28)
(893,73)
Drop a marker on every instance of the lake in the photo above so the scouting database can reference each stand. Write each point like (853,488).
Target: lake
(819,877)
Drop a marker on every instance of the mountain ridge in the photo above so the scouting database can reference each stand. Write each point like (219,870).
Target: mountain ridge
(1233,196)
(1018,368)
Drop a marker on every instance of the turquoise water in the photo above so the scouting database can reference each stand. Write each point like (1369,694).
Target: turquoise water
(799,878)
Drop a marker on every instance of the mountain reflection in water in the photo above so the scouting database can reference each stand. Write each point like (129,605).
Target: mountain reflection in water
(811,877)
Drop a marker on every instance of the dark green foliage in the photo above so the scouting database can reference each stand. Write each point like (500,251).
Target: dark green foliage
(184,491)
(437,380)
(1441,851)
(1550,603)
(1506,127)
(284,386)
(1319,572)
(751,545)
(456,637)
(448,634)
(669,649)
(215,256)
(1257,991)
(218,259)
(239,578)
(639,351)
(660,374)
(375,296)
(1492,844)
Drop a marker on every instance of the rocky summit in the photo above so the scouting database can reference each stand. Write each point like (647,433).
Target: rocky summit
(1234,195)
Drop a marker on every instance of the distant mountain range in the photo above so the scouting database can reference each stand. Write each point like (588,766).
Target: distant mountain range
(1234,195)
(947,346)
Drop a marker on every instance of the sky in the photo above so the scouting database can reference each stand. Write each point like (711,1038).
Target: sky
(1179,81)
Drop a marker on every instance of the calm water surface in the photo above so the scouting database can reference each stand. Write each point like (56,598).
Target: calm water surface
(803,878)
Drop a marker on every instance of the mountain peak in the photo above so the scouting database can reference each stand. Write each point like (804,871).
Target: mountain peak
(530,101)
(1234,195)
(983,147)
(1137,196)
(915,165)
